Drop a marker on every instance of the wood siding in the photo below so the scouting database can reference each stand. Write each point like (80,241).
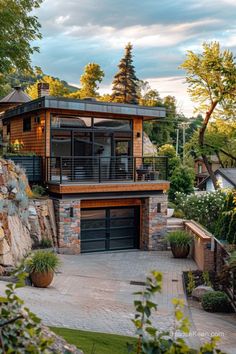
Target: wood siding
(33,140)
(107,203)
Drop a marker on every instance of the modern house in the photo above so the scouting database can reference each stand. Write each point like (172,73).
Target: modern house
(226,178)
(107,195)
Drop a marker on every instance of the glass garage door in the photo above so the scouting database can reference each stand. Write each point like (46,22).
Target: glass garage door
(109,229)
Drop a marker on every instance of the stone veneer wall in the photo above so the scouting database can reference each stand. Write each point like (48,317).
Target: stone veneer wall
(154,223)
(68,225)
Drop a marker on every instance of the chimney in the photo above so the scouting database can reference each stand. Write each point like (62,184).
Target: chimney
(43,89)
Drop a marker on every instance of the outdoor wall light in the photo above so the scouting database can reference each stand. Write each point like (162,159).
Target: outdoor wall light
(71,212)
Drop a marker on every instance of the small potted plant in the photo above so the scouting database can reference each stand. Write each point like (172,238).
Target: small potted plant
(41,267)
(180,243)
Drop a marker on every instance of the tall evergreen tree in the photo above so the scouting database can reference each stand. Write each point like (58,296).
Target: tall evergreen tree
(125,83)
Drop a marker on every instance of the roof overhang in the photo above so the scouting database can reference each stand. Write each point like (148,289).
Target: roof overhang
(48,102)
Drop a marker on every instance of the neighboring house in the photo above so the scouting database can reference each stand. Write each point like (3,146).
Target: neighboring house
(107,195)
(16,97)
(200,168)
(226,178)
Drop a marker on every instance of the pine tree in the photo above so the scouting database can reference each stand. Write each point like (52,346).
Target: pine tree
(125,83)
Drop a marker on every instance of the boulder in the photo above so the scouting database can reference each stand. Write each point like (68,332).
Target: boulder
(59,344)
(200,290)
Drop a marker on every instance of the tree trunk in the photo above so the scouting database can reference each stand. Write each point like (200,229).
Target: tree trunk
(201,140)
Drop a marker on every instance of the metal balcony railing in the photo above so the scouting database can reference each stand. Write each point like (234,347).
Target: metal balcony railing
(97,169)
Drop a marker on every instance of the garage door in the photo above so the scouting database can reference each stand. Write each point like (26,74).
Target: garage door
(109,229)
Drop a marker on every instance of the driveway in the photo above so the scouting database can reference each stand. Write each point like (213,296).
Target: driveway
(93,291)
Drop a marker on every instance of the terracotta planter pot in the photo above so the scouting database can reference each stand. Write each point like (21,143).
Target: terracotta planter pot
(180,251)
(41,280)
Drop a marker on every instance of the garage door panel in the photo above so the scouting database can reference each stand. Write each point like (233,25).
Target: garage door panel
(93,235)
(93,224)
(117,229)
(93,246)
(122,243)
(122,222)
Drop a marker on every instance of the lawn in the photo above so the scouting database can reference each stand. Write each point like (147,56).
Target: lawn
(93,342)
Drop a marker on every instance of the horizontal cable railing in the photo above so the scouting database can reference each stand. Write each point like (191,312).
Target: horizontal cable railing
(99,169)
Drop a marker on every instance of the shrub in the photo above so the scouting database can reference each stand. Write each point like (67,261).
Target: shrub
(45,243)
(182,180)
(191,283)
(205,208)
(215,301)
(226,224)
(179,238)
(38,191)
(206,278)
(42,262)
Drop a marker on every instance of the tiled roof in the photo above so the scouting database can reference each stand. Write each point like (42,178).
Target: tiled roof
(16,96)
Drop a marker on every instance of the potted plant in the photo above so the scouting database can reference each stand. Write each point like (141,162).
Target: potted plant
(41,267)
(180,243)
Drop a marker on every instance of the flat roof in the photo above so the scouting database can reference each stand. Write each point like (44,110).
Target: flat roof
(88,106)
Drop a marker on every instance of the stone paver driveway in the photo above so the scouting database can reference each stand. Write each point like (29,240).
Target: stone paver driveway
(93,291)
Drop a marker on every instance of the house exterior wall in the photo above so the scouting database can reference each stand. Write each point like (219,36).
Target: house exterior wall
(33,140)
(153,221)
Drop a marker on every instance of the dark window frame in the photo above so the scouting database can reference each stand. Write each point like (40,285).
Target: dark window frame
(27,124)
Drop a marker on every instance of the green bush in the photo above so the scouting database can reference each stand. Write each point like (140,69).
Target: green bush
(179,238)
(182,180)
(42,262)
(226,225)
(38,191)
(215,301)
(205,208)
(45,243)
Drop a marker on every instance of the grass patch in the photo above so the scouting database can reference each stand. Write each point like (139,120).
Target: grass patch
(93,342)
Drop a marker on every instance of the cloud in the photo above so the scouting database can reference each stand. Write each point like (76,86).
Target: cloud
(76,32)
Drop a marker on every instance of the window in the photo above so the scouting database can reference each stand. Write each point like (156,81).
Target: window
(27,124)
(199,168)
(112,124)
(71,122)
(8,128)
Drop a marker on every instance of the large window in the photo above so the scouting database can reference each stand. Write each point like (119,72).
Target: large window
(88,136)
(74,122)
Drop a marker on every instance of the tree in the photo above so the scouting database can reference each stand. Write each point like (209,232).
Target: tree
(92,75)
(56,87)
(18,29)
(181,180)
(220,140)
(211,77)
(125,83)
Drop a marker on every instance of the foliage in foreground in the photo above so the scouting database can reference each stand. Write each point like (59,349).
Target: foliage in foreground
(150,339)
(20,329)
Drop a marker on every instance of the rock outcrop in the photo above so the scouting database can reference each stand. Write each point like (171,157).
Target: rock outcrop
(24,221)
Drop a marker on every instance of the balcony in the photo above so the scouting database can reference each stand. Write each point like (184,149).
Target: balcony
(114,169)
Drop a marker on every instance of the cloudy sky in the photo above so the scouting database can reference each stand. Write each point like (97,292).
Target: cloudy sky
(76,32)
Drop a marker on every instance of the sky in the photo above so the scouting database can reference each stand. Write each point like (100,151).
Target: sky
(76,32)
